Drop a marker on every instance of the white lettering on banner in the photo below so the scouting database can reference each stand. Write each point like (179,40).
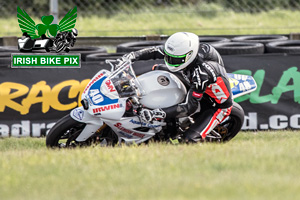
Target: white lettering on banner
(250,121)
(275,122)
(71,60)
(295,121)
(34,61)
(27,61)
(278,122)
(36,129)
(4,130)
(74,61)
(24,128)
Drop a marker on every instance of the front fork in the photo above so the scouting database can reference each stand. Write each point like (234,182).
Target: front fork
(92,123)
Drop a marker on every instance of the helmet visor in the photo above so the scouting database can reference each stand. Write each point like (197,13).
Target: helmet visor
(175,61)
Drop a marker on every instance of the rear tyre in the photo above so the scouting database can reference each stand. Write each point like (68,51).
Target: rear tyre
(238,48)
(213,40)
(230,127)
(264,39)
(290,46)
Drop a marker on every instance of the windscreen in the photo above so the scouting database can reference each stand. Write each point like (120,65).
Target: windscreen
(125,81)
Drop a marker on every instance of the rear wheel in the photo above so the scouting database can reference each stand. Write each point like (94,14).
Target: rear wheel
(229,128)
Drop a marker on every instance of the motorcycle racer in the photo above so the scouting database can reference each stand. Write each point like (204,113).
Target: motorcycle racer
(69,38)
(209,97)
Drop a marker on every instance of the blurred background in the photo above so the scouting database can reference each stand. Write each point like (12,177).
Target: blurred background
(161,17)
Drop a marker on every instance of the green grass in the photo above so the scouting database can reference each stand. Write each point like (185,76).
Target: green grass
(262,165)
(164,22)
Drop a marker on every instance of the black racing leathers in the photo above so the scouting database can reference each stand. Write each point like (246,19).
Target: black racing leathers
(205,78)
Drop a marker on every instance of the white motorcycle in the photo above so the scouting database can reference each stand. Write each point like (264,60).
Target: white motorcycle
(112,100)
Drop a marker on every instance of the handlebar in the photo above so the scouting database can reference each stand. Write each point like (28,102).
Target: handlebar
(110,62)
(119,62)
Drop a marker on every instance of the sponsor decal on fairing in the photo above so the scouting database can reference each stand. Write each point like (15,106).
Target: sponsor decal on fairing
(106,108)
(144,124)
(124,130)
(78,114)
(110,86)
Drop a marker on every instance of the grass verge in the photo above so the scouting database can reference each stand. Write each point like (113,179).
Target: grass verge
(262,165)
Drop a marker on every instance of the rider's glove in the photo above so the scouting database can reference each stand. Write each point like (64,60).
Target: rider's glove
(148,115)
(159,113)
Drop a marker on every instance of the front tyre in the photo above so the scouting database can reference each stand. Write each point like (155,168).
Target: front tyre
(64,133)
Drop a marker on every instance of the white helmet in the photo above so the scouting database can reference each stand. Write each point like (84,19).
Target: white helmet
(181,50)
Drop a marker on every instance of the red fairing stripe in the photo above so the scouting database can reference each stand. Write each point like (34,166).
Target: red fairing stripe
(197,95)
(218,91)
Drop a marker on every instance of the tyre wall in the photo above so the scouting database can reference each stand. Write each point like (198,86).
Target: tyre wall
(241,45)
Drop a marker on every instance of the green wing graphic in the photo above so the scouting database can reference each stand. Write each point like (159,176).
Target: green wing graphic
(27,24)
(69,20)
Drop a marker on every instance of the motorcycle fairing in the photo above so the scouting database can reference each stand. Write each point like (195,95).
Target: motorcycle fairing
(92,123)
(162,89)
(133,130)
(96,94)
(103,98)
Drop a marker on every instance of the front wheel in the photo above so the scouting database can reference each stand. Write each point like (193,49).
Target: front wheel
(66,130)
(64,133)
